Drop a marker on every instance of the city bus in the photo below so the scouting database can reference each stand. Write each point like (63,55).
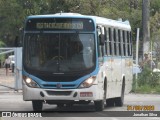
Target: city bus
(69,58)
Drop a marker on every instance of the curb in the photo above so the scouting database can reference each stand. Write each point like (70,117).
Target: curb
(7,86)
(10,89)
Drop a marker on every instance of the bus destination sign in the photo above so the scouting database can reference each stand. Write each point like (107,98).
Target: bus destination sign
(53,24)
(41,25)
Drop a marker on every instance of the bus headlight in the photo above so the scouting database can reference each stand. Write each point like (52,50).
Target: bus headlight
(87,83)
(30,83)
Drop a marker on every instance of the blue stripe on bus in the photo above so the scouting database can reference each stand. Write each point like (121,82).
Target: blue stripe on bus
(75,84)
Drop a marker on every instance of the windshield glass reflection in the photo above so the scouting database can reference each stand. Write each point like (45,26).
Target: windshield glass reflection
(59,52)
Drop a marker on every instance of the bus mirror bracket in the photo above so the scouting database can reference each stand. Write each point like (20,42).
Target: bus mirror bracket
(101,39)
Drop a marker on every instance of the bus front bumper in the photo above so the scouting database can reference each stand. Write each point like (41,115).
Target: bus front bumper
(91,93)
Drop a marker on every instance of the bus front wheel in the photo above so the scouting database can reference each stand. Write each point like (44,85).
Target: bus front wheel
(37,105)
(99,105)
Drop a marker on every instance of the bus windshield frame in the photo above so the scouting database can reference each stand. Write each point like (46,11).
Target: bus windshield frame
(79,40)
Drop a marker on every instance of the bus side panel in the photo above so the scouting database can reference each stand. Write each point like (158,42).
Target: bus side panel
(117,73)
(129,77)
(108,73)
(124,71)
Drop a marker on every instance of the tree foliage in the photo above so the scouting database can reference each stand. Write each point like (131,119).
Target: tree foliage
(14,12)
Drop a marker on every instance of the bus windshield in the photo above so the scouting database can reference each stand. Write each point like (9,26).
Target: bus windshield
(59,52)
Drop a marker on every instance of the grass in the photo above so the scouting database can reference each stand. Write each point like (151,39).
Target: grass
(147,82)
(147,89)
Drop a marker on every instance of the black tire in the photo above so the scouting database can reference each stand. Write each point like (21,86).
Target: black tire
(37,105)
(87,103)
(120,100)
(99,105)
(110,102)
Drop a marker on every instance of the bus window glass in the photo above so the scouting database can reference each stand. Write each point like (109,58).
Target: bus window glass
(60,52)
(105,43)
(124,43)
(119,42)
(110,41)
(115,42)
(128,43)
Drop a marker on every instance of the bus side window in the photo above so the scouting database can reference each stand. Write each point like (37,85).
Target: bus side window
(110,41)
(127,43)
(115,42)
(130,42)
(105,42)
(100,32)
(98,46)
(124,45)
(121,34)
(104,37)
(119,43)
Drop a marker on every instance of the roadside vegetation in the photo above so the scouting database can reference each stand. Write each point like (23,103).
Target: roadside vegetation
(147,82)
(14,13)
(2,57)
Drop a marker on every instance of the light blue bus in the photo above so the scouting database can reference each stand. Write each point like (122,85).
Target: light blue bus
(70,58)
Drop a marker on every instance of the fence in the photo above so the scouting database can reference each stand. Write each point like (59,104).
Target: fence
(14,80)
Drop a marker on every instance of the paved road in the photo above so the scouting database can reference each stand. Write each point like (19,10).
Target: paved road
(7,81)
(13,102)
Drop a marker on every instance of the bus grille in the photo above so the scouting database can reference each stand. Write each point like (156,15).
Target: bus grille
(62,93)
(63,86)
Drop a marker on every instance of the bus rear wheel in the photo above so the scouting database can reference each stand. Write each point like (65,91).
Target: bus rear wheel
(37,105)
(110,102)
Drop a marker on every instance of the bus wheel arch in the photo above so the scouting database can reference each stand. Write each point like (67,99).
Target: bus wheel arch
(105,89)
(120,100)
(99,105)
(105,84)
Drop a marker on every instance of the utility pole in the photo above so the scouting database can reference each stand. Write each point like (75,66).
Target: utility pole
(146,25)
(137,49)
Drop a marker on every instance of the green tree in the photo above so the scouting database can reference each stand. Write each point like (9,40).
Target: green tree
(14,12)
(10,22)
(2,57)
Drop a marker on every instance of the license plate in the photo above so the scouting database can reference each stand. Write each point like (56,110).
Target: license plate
(86,94)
